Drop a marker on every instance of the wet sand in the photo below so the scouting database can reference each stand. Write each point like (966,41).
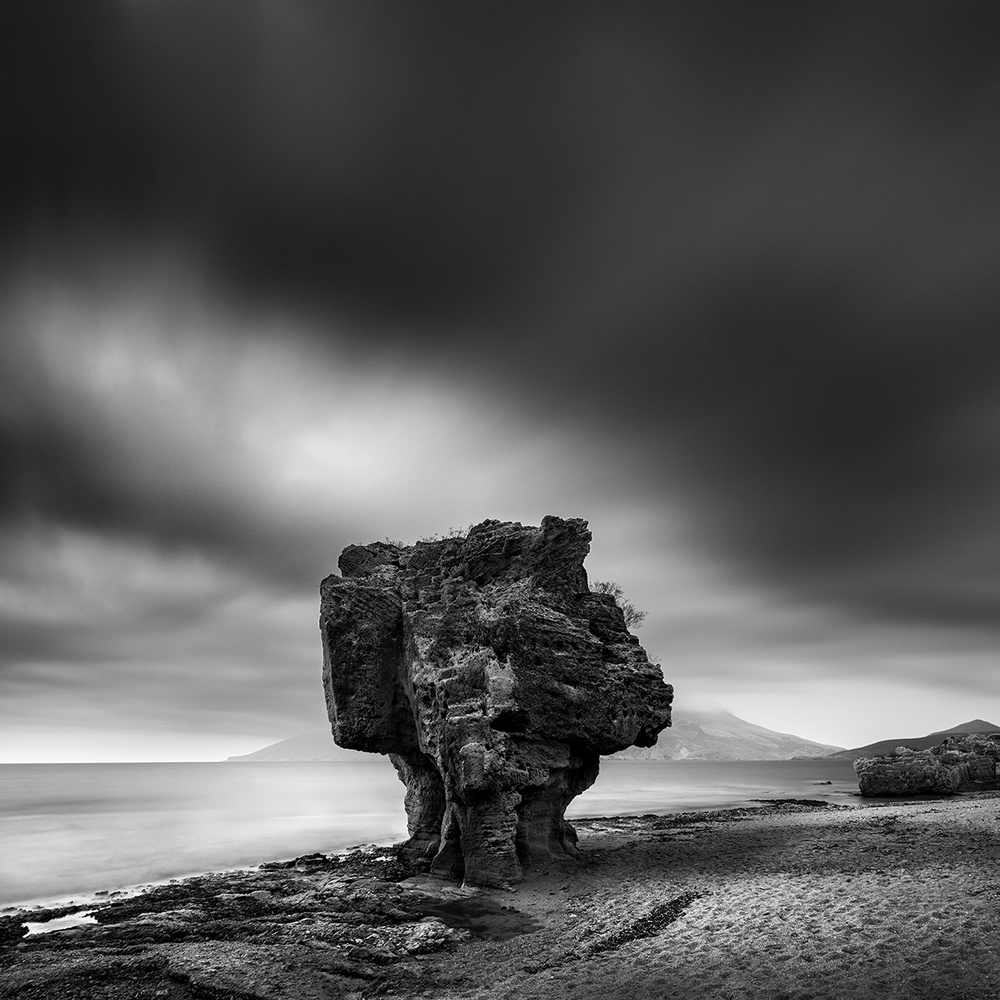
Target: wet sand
(793,900)
(898,900)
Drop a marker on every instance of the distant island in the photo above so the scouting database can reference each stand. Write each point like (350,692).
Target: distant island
(718,735)
(694,735)
(318,746)
(883,747)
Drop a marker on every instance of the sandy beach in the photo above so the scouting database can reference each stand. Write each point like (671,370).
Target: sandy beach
(795,900)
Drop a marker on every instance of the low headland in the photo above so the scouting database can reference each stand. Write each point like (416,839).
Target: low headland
(790,898)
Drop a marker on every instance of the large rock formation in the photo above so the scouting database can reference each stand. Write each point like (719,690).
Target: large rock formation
(493,679)
(960,763)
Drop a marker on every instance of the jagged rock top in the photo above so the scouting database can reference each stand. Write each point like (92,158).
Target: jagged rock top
(550,557)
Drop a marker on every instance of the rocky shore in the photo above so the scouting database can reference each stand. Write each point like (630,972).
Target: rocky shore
(965,762)
(798,899)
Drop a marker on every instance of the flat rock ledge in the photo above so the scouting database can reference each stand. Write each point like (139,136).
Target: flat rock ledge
(959,764)
(315,926)
(493,679)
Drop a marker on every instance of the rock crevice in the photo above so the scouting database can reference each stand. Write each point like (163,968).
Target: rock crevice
(493,679)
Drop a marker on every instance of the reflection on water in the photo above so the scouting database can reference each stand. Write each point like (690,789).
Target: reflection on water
(79,828)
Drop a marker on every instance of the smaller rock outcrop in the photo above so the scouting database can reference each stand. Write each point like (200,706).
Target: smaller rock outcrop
(968,762)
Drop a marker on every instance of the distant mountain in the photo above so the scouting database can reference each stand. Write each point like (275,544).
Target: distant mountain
(693,736)
(883,747)
(308,746)
(722,736)
(975,726)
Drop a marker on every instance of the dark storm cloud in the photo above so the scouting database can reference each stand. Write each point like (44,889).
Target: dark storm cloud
(753,247)
(405,157)
(389,154)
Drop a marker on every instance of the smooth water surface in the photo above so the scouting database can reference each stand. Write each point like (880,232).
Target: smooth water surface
(79,828)
(76,829)
(637,787)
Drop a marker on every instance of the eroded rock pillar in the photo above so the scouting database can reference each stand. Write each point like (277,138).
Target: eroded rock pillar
(494,679)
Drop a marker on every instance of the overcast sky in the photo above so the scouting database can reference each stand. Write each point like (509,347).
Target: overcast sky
(277,277)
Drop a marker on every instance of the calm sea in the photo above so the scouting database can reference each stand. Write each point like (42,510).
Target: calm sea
(69,830)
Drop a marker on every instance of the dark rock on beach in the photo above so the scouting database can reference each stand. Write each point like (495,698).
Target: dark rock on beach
(960,763)
(11,932)
(494,680)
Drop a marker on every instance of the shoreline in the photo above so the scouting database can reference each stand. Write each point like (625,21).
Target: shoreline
(800,898)
(54,855)
(96,897)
